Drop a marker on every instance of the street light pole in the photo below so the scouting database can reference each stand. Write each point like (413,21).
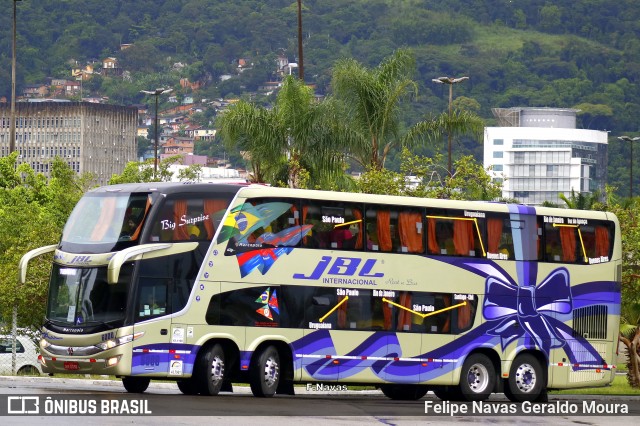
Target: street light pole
(450,81)
(156,93)
(631,141)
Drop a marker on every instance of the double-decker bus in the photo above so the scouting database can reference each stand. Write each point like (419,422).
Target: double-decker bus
(407,294)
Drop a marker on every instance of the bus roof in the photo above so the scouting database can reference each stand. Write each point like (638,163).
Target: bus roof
(254,191)
(169,187)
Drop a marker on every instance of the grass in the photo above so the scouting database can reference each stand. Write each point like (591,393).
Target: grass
(620,386)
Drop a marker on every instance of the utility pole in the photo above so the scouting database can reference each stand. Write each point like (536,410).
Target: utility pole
(300,55)
(12,125)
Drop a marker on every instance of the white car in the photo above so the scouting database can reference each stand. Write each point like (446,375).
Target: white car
(26,356)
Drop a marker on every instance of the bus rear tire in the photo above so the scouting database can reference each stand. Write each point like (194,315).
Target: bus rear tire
(526,379)
(264,373)
(404,392)
(135,384)
(210,371)
(477,378)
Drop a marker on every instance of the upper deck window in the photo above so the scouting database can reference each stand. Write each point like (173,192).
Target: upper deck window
(106,218)
(188,217)
(574,240)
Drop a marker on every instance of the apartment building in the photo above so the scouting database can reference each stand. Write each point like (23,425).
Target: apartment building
(90,137)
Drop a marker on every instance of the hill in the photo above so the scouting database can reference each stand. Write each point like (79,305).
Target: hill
(583,53)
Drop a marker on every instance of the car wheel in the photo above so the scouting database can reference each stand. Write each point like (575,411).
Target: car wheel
(28,370)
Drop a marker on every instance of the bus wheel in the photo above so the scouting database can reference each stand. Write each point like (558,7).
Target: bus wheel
(135,384)
(188,386)
(477,378)
(210,371)
(526,379)
(404,392)
(448,393)
(264,373)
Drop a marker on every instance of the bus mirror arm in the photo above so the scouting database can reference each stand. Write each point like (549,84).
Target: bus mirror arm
(24,261)
(113,271)
(161,249)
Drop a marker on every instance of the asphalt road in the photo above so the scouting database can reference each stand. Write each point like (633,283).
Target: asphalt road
(97,401)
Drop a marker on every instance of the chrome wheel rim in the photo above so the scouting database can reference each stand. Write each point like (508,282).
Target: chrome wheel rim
(478,378)
(271,371)
(217,369)
(525,378)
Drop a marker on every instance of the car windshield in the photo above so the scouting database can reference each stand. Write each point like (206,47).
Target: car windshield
(79,296)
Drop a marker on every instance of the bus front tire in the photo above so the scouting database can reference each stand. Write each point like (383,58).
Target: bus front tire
(477,378)
(448,393)
(404,392)
(210,370)
(264,373)
(188,386)
(526,379)
(135,384)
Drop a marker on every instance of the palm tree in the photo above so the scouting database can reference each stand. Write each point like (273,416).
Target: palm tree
(630,336)
(581,201)
(297,138)
(373,98)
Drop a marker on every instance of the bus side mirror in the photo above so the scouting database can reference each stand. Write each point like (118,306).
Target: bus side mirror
(133,253)
(24,261)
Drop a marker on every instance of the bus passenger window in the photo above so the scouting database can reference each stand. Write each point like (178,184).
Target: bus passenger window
(440,235)
(410,230)
(382,229)
(596,240)
(333,225)
(463,237)
(561,243)
(499,239)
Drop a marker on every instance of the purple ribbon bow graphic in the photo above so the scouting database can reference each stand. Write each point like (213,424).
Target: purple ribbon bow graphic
(527,311)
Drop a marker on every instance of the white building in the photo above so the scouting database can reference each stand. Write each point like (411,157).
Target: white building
(210,174)
(540,154)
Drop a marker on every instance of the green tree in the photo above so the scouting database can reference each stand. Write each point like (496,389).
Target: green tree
(582,201)
(135,172)
(373,97)
(630,282)
(33,211)
(427,177)
(296,135)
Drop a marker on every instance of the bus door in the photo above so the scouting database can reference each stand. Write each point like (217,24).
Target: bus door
(152,352)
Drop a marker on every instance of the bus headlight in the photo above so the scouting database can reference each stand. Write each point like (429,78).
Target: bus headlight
(112,343)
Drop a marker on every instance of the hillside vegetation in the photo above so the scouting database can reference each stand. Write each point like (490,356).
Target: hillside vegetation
(583,53)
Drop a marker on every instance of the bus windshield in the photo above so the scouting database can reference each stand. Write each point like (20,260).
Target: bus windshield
(101,220)
(81,296)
